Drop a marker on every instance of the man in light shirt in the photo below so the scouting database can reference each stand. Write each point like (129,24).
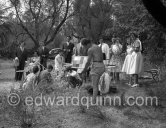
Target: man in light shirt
(105,50)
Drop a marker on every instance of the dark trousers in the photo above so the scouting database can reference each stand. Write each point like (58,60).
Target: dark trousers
(135,76)
(115,76)
(43,62)
(18,75)
(68,58)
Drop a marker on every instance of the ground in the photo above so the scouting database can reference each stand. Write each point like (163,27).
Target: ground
(71,116)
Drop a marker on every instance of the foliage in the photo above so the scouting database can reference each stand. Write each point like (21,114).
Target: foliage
(41,20)
(119,17)
(92,19)
(44,20)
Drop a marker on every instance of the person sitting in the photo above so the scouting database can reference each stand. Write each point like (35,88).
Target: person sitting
(45,80)
(59,61)
(35,58)
(45,75)
(73,78)
(31,79)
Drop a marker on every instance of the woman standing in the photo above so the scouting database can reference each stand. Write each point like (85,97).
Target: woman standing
(133,64)
(116,59)
(127,60)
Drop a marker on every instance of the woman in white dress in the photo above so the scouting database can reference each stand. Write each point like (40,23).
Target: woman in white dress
(126,64)
(133,64)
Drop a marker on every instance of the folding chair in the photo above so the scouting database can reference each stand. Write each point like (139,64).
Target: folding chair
(155,73)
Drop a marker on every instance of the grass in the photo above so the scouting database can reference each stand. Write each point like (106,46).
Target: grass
(71,116)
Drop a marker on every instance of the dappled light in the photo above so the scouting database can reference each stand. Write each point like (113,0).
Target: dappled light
(82,64)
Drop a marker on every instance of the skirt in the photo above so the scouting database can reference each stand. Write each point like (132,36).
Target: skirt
(126,64)
(133,63)
(116,60)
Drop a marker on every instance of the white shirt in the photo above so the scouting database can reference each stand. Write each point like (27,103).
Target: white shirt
(105,49)
(22,49)
(58,62)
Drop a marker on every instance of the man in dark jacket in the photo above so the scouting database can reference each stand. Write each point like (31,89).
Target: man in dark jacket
(43,53)
(80,50)
(21,55)
(68,50)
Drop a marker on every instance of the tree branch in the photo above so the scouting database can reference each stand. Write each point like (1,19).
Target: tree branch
(22,25)
(60,24)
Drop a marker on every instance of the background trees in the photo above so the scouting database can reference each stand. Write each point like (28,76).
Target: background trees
(49,21)
(41,20)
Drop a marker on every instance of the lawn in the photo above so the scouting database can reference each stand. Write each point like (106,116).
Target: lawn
(108,116)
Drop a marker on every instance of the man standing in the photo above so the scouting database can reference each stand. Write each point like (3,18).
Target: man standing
(105,51)
(80,50)
(43,52)
(95,56)
(68,50)
(21,56)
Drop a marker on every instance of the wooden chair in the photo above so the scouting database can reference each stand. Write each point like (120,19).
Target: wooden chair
(155,73)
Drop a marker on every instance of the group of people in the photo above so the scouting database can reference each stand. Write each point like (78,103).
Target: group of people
(21,58)
(37,68)
(100,54)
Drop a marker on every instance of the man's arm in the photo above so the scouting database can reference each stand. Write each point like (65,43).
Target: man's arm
(90,55)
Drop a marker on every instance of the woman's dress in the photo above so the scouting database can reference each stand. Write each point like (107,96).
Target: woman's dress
(116,58)
(133,63)
(126,64)
(136,64)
